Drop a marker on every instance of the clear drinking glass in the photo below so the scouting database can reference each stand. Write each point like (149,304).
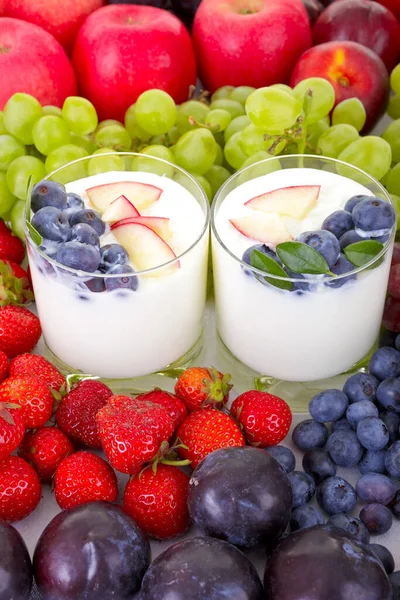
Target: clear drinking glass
(123,334)
(294,342)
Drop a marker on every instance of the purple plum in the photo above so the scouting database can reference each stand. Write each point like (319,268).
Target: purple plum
(16,574)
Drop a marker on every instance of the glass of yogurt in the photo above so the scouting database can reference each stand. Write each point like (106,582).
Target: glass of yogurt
(118,247)
(286,318)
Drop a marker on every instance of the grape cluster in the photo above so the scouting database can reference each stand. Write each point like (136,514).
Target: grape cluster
(392,135)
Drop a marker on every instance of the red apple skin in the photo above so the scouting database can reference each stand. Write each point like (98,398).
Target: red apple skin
(123,50)
(362,21)
(257,49)
(32,61)
(393,5)
(353,70)
(61,18)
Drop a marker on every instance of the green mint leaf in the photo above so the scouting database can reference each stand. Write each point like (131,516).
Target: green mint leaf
(35,235)
(363,252)
(269,265)
(300,258)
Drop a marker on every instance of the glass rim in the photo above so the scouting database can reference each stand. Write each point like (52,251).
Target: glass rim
(308,277)
(93,275)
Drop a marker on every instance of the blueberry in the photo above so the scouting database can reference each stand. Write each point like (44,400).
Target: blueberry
(392,460)
(396,340)
(361,386)
(318,464)
(374,487)
(328,405)
(340,424)
(392,422)
(350,525)
(90,217)
(284,456)
(341,266)
(338,223)
(126,282)
(310,434)
(52,224)
(303,488)
(372,433)
(84,234)
(384,555)
(353,201)
(50,248)
(373,462)
(48,193)
(395,505)
(344,448)
(74,201)
(374,214)
(305,516)
(323,242)
(298,286)
(377,518)
(350,237)
(264,249)
(388,394)
(336,495)
(96,285)
(388,338)
(112,255)
(385,363)
(394,579)
(79,256)
(359,411)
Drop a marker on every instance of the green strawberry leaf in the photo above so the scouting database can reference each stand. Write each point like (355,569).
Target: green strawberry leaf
(268,265)
(363,252)
(300,258)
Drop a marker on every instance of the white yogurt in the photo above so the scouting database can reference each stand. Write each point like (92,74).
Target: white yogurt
(290,336)
(129,334)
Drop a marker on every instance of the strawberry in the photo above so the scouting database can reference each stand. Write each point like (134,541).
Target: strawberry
(19,330)
(131,432)
(157,501)
(12,429)
(32,394)
(20,489)
(204,431)
(14,284)
(3,366)
(76,413)
(45,448)
(199,387)
(26,364)
(265,419)
(84,477)
(174,405)
(11,247)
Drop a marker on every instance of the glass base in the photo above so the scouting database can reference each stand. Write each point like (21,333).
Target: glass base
(164,378)
(296,393)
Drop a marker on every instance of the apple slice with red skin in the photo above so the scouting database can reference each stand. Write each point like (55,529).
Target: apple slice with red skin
(158,224)
(141,195)
(119,209)
(146,248)
(267,228)
(294,201)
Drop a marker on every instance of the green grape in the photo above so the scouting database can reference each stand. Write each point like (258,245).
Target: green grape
(192,109)
(283,87)
(80,115)
(371,154)
(321,101)
(113,136)
(61,157)
(85,141)
(241,93)
(19,173)
(233,153)
(392,136)
(273,110)
(131,125)
(219,137)
(393,109)
(159,152)
(217,176)
(275,146)
(50,132)
(235,109)
(17,219)
(259,168)
(350,112)
(107,122)
(218,119)
(149,165)
(155,111)
(253,139)
(49,109)
(104,164)
(222,93)
(20,114)
(314,132)
(158,140)
(2,126)
(7,199)
(196,151)
(204,184)
(235,126)
(395,80)
(393,180)
(336,139)
(10,149)
(396,205)
(219,159)
(173,135)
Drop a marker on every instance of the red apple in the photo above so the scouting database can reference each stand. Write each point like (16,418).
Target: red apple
(362,21)
(61,18)
(353,70)
(393,5)
(123,50)
(295,201)
(249,42)
(267,228)
(32,61)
